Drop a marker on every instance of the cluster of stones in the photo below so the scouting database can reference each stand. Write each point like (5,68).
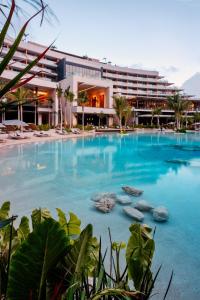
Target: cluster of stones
(105,202)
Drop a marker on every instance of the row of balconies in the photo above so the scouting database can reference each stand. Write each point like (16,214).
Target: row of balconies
(20,66)
(145,86)
(139,92)
(28,57)
(135,78)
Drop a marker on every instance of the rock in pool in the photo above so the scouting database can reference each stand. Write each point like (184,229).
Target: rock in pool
(160,214)
(134,213)
(99,196)
(132,191)
(124,200)
(143,205)
(105,205)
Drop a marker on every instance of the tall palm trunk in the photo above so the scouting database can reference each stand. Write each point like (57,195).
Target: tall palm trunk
(120,122)
(61,115)
(70,116)
(83,118)
(65,114)
(158,121)
(18,112)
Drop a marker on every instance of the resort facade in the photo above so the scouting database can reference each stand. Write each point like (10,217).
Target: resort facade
(144,90)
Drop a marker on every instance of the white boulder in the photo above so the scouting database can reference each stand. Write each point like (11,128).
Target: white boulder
(124,200)
(105,205)
(99,196)
(134,213)
(160,214)
(143,205)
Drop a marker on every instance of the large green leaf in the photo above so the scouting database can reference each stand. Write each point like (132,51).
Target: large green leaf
(24,229)
(4,30)
(139,254)
(34,259)
(5,210)
(72,227)
(79,253)
(39,215)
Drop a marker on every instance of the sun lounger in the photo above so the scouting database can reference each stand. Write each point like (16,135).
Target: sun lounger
(61,132)
(17,136)
(41,134)
(75,131)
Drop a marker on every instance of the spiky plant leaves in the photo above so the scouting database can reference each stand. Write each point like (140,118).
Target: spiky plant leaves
(5,210)
(72,227)
(118,293)
(39,215)
(34,259)
(23,229)
(139,253)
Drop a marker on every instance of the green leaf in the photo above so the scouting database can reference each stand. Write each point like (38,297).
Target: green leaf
(5,210)
(79,254)
(4,30)
(139,254)
(72,227)
(34,259)
(24,229)
(39,215)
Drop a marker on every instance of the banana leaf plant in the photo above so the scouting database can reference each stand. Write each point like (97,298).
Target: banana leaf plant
(57,261)
(20,79)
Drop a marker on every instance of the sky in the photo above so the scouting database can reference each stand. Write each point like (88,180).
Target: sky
(151,34)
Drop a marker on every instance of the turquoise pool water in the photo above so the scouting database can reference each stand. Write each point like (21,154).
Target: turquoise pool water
(66,173)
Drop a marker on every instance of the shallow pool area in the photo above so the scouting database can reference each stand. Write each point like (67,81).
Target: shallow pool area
(66,174)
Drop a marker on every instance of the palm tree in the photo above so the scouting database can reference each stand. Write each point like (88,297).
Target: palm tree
(82,100)
(120,105)
(127,114)
(156,112)
(101,116)
(69,97)
(178,105)
(59,93)
(21,96)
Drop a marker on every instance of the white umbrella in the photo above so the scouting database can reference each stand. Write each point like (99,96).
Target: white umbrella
(1,125)
(15,123)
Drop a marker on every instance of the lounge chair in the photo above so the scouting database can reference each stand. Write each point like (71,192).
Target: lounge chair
(61,132)
(41,134)
(17,136)
(75,131)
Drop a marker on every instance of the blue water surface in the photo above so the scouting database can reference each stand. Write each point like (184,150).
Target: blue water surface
(65,174)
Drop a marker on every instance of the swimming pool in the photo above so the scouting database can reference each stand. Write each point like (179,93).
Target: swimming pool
(66,173)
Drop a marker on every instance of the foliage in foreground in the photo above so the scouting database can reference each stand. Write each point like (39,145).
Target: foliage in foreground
(56,260)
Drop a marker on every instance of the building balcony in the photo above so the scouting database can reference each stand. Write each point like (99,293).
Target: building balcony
(93,110)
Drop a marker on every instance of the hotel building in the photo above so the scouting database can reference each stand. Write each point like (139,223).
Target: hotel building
(145,90)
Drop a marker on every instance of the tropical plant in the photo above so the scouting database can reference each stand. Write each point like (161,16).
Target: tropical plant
(34,4)
(82,100)
(20,79)
(120,105)
(156,112)
(21,96)
(69,97)
(179,106)
(127,114)
(59,92)
(56,260)
(101,116)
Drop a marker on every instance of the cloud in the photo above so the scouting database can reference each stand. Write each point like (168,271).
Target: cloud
(170,69)
(162,69)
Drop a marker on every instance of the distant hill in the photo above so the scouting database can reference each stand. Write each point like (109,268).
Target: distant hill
(192,85)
